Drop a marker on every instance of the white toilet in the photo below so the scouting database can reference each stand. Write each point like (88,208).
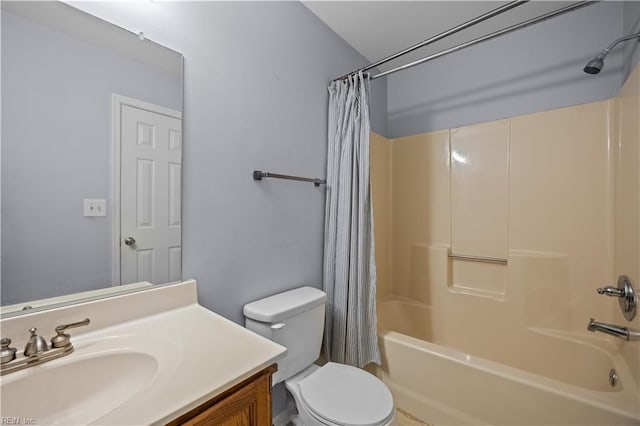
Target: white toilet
(334,394)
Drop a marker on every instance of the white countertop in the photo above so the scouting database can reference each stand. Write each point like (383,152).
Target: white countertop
(199,354)
(207,354)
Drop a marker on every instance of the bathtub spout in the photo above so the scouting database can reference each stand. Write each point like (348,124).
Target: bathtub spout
(614,330)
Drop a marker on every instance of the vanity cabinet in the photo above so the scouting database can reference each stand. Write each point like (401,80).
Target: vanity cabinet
(246,404)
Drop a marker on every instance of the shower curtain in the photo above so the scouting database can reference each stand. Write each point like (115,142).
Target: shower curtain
(349,253)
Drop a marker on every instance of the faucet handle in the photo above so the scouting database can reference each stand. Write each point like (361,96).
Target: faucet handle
(36,344)
(6,353)
(626,295)
(62,339)
(611,291)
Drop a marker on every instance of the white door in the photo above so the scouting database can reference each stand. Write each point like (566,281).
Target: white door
(150,196)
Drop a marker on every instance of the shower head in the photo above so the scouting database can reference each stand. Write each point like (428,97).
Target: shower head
(595,65)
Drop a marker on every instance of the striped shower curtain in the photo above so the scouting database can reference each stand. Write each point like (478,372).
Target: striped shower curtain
(349,253)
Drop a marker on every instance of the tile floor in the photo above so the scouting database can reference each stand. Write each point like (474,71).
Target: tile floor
(405,419)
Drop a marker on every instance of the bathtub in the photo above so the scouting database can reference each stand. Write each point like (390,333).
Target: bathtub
(545,377)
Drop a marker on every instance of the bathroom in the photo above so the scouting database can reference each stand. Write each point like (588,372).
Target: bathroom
(244,240)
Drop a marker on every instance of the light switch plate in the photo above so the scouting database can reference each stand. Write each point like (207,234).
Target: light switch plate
(95,207)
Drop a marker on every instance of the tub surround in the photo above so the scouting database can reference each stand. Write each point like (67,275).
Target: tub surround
(199,354)
(480,183)
(560,191)
(541,183)
(627,247)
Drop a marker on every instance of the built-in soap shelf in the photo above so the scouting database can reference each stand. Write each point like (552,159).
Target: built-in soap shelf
(478,278)
(431,266)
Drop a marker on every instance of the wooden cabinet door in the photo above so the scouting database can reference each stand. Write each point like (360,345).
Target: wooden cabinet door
(246,404)
(250,406)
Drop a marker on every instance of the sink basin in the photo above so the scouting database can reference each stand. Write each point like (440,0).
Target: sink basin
(76,390)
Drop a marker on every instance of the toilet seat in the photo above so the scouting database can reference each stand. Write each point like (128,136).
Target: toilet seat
(345,395)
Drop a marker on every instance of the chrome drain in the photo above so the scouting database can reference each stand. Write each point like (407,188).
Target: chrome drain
(613,377)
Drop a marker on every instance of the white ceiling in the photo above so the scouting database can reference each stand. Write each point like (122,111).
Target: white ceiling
(83,26)
(378,29)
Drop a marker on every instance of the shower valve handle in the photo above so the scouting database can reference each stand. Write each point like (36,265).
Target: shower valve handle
(626,295)
(612,292)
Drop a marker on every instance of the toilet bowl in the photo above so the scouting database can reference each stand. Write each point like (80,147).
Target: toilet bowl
(340,395)
(329,395)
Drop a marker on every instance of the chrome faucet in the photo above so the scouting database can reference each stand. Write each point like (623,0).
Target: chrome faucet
(614,330)
(37,351)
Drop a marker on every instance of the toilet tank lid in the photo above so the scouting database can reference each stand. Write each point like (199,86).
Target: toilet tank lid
(283,305)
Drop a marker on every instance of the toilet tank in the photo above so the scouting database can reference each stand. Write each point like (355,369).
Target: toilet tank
(295,320)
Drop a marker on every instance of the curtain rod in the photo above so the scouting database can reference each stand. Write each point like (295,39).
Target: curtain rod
(521,25)
(447,33)
(444,34)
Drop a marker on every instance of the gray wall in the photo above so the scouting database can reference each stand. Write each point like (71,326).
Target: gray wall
(378,103)
(631,49)
(256,77)
(57,150)
(533,69)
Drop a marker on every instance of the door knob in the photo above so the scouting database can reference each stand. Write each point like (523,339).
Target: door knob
(129,241)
